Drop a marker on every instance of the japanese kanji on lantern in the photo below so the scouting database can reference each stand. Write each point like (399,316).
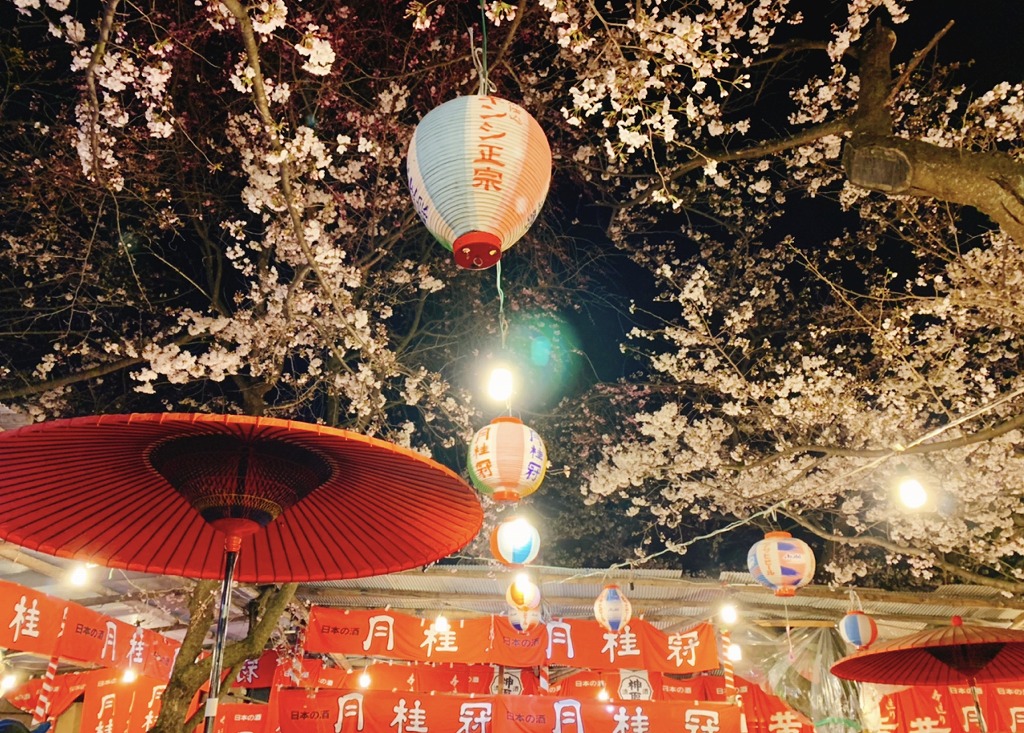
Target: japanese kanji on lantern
(515,542)
(781,562)
(859,629)
(612,609)
(479,170)
(507,460)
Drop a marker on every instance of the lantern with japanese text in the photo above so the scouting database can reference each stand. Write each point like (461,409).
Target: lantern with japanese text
(515,542)
(479,169)
(859,629)
(523,594)
(781,562)
(507,460)
(612,609)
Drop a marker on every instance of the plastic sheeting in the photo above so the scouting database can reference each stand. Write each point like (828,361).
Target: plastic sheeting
(798,672)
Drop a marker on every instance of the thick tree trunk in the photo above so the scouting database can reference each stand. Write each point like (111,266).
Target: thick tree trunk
(990,182)
(189,675)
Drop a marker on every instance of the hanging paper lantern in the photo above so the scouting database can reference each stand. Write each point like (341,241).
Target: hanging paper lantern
(479,169)
(781,562)
(612,609)
(515,542)
(859,629)
(523,594)
(523,619)
(507,460)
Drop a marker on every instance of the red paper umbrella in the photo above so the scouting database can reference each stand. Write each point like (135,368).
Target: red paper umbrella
(192,495)
(950,655)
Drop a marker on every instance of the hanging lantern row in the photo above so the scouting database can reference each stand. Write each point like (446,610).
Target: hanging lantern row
(515,542)
(507,460)
(612,609)
(479,170)
(523,595)
(781,562)
(859,629)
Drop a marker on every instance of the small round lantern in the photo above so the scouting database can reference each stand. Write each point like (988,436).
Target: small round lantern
(479,170)
(523,594)
(781,562)
(523,619)
(859,629)
(515,542)
(507,460)
(612,609)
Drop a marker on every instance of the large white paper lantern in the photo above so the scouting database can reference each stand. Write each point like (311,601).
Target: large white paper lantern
(479,170)
(507,459)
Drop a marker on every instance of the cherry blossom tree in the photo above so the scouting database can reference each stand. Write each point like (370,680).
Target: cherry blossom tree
(800,372)
(204,208)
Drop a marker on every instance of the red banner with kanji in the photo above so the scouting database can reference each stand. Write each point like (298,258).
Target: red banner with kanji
(31,621)
(493,640)
(382,712)
(952,709)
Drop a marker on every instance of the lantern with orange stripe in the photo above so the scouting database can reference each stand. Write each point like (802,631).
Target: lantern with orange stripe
(612,609)
(507,460)
(515,542)
(523,594)
(479,170)
(859,629)
(781,562)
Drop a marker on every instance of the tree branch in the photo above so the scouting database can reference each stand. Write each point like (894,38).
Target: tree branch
(1007,586)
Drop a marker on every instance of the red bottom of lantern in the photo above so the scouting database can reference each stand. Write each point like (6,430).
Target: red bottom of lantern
(506,495)
(476,250)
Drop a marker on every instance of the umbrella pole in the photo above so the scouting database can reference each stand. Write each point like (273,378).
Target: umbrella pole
(231,546)
(977,707)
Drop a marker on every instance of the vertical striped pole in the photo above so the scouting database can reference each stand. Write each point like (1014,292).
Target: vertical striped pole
(545,679)
(43,701)
(727,670)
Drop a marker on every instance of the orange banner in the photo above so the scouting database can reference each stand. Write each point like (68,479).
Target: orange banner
(350,712)
(493,640)
(31,622)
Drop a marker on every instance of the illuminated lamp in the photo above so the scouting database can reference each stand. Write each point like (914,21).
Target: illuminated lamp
(507,460)
(859,629)
(612,609)
(523,594)
(515,542)
(781,562)
(479,170)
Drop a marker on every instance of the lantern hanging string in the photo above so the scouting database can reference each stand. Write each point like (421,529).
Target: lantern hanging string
(855,604)
(480,54)
(502,321)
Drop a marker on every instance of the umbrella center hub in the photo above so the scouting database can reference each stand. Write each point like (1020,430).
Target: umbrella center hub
(239,485)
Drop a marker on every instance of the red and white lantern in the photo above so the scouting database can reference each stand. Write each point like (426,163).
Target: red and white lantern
(479,170)
(859,629)
(612,609)
(507,460)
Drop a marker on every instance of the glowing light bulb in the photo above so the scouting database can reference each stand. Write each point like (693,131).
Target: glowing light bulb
(364,680)
(441,624)
(501,384)
(734,653)
(603,695)
(79,575)
(8,682)
(912,493)
(129,676)
(728,614)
